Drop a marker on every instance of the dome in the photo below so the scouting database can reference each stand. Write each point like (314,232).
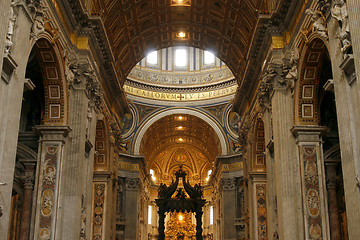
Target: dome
(180,74)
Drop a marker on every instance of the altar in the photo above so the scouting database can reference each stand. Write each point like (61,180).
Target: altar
(180,208)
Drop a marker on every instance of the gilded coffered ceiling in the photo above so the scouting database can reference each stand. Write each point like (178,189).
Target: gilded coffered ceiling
(180,139)
(137,26)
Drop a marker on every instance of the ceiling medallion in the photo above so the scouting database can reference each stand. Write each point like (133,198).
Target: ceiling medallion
(181,35)
(181,158)
(179,3)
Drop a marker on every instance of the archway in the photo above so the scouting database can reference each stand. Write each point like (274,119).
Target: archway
(44,104)
(168,112)
(315,107)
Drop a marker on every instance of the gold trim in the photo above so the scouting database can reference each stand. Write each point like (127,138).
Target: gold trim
(128,166)
(233,166)
(171,96)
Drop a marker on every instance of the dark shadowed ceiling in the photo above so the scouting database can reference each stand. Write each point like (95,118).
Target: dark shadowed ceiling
(137,26)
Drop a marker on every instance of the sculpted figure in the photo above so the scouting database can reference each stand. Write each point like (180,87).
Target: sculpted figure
(340,13)
(319,23)
(10,32)
(292,74)
(38,26)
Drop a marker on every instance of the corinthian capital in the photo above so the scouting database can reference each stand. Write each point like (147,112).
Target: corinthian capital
(80,73)
(132,184)
(228,184)
(29,181)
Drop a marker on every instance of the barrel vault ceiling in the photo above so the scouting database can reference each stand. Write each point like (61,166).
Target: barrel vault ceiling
(122,32)
(180,139)
(134,27)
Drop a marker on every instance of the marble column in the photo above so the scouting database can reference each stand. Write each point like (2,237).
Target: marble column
(11,92)
(131,207)
(228,206)
(27,199)
(333,205)
(77,170)
(285,163)
(51,146)
(313,185)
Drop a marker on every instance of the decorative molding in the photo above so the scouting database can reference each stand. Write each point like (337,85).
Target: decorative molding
(308,133)
(174,79)
(312,193)
(79,73)
(99,190)
(52,133)
(9,65)
(132,184)
(228,184)
(261,211)
(29,181)
(277,76)
(101,176)
(348,66)
(48,189)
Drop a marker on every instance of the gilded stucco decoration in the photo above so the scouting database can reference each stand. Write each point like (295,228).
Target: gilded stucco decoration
(259,161)
(54,85)
(261,212)
(48,190)
(307,95)
(98,211)
(312,198)
(183,78)
(180,139)
(101,147)
(180,226)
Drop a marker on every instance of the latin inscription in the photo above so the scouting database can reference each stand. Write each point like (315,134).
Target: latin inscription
(180,96)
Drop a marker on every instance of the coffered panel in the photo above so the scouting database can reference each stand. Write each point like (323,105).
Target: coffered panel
(219,25)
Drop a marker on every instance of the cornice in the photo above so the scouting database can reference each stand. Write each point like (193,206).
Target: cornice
(180,89)
(266,28)
(83,25)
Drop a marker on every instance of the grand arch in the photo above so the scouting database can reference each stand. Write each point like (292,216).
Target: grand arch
(160,115)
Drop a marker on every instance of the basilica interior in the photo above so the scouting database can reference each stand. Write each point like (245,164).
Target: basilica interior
(179,119)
